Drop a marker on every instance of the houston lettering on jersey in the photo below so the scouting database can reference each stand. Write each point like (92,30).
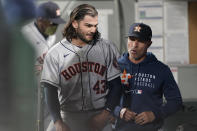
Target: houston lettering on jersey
(83,67)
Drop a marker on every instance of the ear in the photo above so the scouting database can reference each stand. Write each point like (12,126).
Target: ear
(75,24)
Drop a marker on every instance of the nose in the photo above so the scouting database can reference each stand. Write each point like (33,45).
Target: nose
(93,29)
(135,43)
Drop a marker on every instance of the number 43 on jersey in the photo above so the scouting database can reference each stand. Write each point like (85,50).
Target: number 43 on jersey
(100,87)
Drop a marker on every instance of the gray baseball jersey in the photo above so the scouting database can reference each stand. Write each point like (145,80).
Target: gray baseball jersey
(39,43)
(80,73)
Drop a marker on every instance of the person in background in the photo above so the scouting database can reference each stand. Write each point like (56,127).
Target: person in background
(17,97)
(80,76)
(41,34)
(145,80)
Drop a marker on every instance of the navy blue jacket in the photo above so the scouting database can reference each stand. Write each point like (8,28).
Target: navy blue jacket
(151,79)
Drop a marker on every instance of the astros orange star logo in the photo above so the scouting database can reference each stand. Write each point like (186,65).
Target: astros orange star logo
(125,77)
(137,28)
(58,12)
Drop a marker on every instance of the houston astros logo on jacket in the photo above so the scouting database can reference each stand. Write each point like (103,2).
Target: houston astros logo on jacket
(125,77)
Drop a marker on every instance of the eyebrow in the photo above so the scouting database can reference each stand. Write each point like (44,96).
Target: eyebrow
(91,24)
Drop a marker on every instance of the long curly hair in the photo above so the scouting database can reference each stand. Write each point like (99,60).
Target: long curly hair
(78,14)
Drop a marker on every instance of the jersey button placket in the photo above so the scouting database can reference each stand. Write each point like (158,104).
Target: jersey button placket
(84,102)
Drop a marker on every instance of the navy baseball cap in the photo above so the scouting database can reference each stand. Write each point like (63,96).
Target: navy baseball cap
(50,11)
(140,31)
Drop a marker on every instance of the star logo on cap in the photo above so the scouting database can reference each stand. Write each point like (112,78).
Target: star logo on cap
(137,28)
(58,12)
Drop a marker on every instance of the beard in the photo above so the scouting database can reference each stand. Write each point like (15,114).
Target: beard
(81,36)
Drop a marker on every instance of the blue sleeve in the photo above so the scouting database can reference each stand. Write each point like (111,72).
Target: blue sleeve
(117,111)
(51,98)
(172,96)
(113,97)
(118,108)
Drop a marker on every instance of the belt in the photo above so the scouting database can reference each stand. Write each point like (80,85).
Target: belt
(84,111)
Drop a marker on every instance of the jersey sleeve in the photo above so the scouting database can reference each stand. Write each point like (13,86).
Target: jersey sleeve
(113,70)
(50,73)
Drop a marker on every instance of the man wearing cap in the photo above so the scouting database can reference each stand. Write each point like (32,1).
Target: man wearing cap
(145,80)
(41,34)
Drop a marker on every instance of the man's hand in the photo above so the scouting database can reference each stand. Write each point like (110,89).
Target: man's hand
(128,114)
(38,69)
(61,126)
(144,117)
(99,121)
